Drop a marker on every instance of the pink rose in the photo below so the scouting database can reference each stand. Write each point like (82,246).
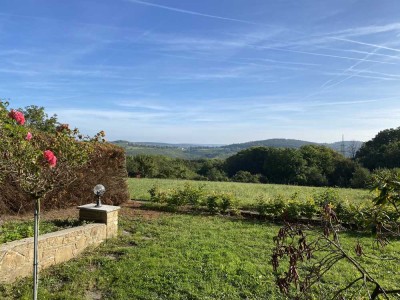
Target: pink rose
(28,136)
(50,158)
(17,116)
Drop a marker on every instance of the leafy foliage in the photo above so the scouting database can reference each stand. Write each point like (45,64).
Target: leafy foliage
(195,196)
(383,151)
(22,162)
(75,161)
(309,258)
(310,165)
(37,118)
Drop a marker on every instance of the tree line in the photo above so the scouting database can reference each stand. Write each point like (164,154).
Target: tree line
(312,165)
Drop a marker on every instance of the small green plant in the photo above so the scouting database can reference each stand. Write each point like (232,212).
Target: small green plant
(309,208)
(188,195)
(264,206)
(279,204)
(220,202)
(327,196)
(175,198)
(157,195)
(292,211)
(212,203)
(191,195)
(227,201)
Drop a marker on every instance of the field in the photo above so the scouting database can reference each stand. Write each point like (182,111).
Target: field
(245,193)
(162,255)
(172,256)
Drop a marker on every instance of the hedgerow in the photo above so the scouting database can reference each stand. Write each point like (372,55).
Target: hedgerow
(358,215)
(196,197)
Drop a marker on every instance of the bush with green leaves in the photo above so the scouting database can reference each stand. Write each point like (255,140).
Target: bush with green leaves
(158,196)
(193,196)
(220,202)
(190,195)
(246,176)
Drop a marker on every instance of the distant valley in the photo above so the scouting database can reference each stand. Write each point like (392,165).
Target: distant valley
(199,151)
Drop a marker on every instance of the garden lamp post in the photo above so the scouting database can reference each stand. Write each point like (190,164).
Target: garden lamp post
(99,191)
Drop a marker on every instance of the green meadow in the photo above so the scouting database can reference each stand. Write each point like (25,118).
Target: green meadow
(175,256)
(245,193)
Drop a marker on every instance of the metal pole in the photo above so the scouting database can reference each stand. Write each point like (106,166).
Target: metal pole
(98,201)
(35,250)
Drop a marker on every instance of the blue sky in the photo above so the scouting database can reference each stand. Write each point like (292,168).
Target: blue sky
(206,71)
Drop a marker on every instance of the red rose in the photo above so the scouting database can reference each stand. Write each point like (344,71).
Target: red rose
(50,158)
(28,136)
(17,116)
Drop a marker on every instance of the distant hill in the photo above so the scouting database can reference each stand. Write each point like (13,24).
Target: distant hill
(155,144)
(278,143)
(199,151)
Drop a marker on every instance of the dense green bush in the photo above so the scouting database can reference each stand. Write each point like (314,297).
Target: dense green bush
(219,202)
(245,176)
(292,208)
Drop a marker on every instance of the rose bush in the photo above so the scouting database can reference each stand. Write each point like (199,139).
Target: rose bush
(29,164)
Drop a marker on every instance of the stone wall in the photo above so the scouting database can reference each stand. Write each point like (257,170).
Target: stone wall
(16,258)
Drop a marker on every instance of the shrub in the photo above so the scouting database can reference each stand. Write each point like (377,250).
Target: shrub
(327,196)
(191,195)
(227,201)
(245,176)
(219,202)
(158,196)
(308,208)
(264,206)
(65,181)
(276,207)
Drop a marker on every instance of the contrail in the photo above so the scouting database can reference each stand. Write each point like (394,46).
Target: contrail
(190,12)
(320,54)
(366,44)
(347,70)
(327,84)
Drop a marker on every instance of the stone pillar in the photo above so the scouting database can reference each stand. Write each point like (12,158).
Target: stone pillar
(106,214)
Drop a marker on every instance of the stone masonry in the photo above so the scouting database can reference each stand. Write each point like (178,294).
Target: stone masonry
(106,214)
(16,258)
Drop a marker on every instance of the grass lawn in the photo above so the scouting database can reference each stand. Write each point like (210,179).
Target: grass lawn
(245,193)
(180,256)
